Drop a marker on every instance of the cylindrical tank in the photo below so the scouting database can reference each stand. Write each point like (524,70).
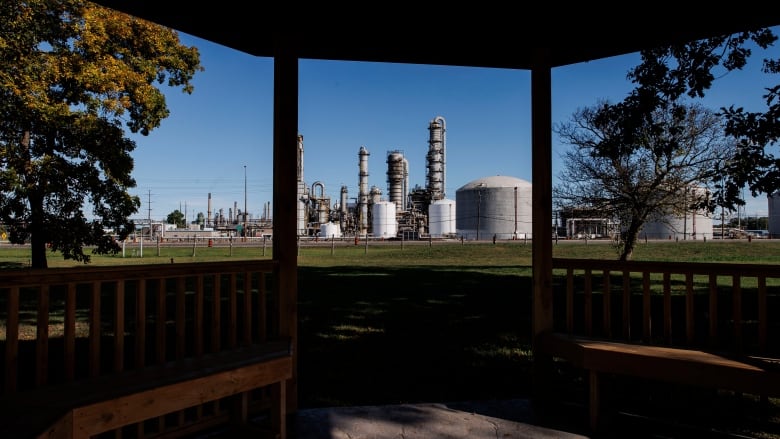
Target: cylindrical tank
(396,179)
(774,215)
(690,225)
(441,218)
(497,206)
(687,225)
(330,230)
(383,220)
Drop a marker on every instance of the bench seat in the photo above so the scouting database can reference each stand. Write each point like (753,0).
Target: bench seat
(87,407)
(746,374)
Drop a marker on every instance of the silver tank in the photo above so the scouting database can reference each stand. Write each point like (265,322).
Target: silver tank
(397,175)
(497,206)
(774,215)
(688,225)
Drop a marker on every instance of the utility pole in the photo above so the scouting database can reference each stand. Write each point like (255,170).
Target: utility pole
(245,231)
(149,212)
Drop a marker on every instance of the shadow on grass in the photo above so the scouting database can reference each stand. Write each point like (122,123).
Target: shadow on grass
(13,265)
(404,335)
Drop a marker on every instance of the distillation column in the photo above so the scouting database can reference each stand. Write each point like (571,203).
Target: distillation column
(301,194)
(436,155)
(363,191)
(344,211)
(397,179)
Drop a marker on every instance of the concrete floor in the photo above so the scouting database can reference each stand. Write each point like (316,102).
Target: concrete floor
(472,420)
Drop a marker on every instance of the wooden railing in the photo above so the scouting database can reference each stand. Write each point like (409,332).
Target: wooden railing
(63,325)
(718,306)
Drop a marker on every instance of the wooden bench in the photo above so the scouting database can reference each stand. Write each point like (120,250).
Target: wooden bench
(83,408)
(747,374)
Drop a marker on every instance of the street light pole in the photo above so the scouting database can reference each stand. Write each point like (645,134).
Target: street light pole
(245,232)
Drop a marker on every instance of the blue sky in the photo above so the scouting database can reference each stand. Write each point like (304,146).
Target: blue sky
(226,124)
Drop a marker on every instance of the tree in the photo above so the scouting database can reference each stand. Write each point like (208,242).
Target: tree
(687,71)
(73,77)
(200,219)
(632,170)
(177,218)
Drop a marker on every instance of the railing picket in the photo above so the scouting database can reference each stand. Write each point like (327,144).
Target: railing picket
(94,330)
(762,314)
(233,312)
(12,341)
(247,307)
(690,316)
(607,310)
(713,334)
(140,324)
(737,308)
(42,337)
(570,300)
(626,304)
(216,316)
(588,298)
(646,307)
(160,321)
(262,307)
(667,307)
(181,317)
(69,332)
(198,327)
(198,320)
(119,326)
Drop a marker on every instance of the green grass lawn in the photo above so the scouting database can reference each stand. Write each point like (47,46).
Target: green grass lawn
(423,254)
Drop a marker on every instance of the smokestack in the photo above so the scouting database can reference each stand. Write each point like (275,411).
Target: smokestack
(208,212)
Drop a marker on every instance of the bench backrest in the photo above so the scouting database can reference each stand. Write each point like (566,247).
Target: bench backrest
(723,307)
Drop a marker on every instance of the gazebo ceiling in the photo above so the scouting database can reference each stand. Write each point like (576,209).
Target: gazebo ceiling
(488,37)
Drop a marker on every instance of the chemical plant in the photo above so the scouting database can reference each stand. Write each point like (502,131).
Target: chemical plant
(489,207)
(403,213)
(495,207)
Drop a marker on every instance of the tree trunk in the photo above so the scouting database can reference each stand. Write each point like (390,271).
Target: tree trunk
(38,236)
(630,242)
(38,249)
(35,198)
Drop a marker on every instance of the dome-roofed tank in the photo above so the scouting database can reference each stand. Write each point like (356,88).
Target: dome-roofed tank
(441,218)
(690,225)
(497,206)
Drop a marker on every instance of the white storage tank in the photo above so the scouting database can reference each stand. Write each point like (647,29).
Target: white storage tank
(497,206)
(441,218)
(690,225)
(330,230)
(774,215)
(383,221)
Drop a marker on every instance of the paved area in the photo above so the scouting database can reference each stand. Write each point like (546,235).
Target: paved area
(472,420)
